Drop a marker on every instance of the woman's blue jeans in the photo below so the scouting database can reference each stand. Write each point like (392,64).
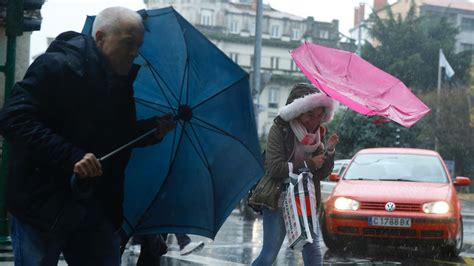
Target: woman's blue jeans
(274,233)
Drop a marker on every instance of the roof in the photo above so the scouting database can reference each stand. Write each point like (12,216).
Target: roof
(398,150)
(458,4)
(267,11)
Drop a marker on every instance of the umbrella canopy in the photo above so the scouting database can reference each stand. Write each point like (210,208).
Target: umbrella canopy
(193,179)
(358,84)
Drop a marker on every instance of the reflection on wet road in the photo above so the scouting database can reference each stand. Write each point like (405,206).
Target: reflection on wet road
(239,242)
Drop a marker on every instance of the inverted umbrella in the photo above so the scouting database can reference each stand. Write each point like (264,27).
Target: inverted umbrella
(358,84)
(193,179)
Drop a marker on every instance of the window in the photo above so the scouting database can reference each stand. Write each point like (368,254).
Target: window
(467,24)
(206,17)
(274,62)
(252,29)
(275,33)
(234,27)
(273,97)
(293,66)
(295,34)
(234,57)
(324,34)
(467,46)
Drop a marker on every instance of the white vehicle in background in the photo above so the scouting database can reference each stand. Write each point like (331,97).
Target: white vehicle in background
(328,184)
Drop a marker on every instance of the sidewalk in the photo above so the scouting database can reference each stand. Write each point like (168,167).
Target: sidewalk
(467,209)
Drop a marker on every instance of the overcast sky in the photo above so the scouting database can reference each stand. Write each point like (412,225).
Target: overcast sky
(63,15)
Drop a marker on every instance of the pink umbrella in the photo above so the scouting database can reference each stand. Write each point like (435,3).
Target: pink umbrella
(359,85)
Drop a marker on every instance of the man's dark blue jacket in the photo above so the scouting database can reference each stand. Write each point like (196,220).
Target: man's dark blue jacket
(67,105)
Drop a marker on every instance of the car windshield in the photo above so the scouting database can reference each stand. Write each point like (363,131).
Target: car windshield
(397,167)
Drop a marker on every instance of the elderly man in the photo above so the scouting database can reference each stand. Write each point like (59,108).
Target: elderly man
(74,104)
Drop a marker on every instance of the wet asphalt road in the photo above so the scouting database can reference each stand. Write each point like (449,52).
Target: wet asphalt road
(239,242)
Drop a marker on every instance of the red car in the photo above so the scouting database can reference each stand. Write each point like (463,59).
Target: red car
(399,194)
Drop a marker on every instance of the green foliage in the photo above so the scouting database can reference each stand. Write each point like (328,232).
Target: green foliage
(454,133)
(408,48)
(358,132)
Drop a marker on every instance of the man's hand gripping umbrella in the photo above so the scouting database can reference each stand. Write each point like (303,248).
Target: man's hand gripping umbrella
(90,166)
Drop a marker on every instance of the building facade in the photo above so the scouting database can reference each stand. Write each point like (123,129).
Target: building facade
(230,25)
(458,12)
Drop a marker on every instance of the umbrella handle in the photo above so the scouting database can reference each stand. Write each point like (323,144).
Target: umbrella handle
(81,188)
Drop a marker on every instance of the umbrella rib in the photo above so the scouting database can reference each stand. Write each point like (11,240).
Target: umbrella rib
(188,79)
(185,76)
(200,146)
(203,159)
(221,131)
(139,220)
(217,94)
(317,68)
(212,127)
(153,105)
(173,150)
(157,77)
(208,128)
(349,64)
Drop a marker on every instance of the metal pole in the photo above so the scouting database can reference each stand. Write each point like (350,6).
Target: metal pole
(9,81)
(360,23)
(438,97)
(257,55)
(359,39)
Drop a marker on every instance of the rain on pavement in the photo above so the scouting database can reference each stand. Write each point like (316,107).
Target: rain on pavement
(239,242)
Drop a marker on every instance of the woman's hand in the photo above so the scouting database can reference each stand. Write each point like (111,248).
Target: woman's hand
(318,160)
(332,142)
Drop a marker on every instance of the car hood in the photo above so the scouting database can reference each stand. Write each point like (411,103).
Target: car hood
(392,190)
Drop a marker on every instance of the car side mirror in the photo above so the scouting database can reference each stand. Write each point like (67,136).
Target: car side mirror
(334,177)
(462,181)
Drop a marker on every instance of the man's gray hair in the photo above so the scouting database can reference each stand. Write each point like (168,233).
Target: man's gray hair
(108,20)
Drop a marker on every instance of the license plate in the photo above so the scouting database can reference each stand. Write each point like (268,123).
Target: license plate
(390,221)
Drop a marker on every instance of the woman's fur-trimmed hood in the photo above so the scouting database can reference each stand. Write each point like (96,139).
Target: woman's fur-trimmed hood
(307,103)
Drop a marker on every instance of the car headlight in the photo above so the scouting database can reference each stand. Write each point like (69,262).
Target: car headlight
(438,207)
(346,204)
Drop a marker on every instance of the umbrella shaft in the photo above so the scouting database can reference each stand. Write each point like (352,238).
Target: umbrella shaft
(105,157)
(184,112)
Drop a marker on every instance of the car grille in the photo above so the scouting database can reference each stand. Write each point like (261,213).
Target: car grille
(405,207)
(388,232)
(431,233)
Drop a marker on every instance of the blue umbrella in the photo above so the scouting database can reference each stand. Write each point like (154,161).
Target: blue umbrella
(193,179)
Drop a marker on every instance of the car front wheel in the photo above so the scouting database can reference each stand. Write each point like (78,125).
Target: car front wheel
(453,249)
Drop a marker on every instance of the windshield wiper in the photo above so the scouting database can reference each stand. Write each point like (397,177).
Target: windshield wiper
(398,179)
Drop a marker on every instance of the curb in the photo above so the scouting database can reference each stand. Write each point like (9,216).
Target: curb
(468,215)
(468,248)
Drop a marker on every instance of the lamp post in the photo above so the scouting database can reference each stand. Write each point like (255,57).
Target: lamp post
(257,57)
(360,26)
